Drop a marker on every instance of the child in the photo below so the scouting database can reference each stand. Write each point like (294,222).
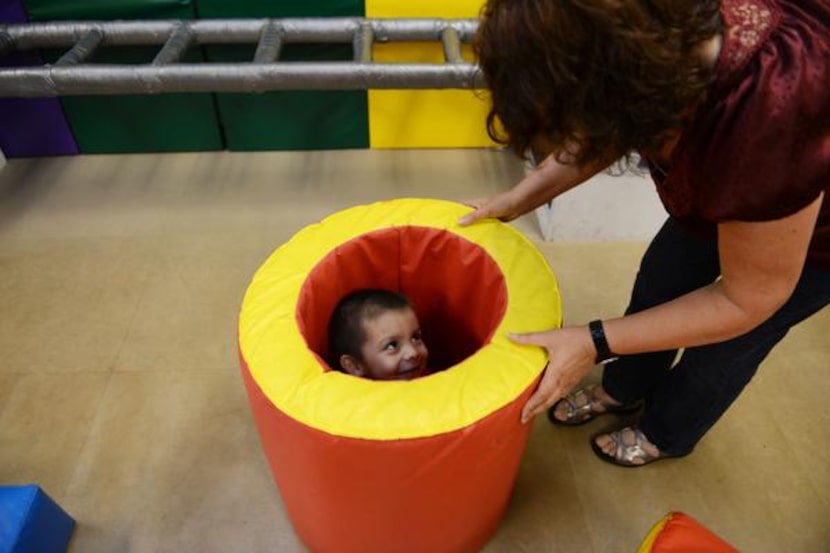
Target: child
(375,334)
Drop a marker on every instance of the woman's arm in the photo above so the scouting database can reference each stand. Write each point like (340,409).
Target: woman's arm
(548,180)
(760,267)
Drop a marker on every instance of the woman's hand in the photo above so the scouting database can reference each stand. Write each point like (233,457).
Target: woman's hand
(571,354)
(502,207)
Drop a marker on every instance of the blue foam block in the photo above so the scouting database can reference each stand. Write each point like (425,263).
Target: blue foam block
(30,522)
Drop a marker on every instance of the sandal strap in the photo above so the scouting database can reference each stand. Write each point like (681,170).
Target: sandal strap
(583,405)
(576,409)
(631,454)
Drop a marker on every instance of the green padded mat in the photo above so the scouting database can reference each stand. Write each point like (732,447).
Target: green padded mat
(228,9)
(133,123)
(50,10)
(289,120)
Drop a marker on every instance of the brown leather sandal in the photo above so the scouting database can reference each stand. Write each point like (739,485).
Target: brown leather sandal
(584,406)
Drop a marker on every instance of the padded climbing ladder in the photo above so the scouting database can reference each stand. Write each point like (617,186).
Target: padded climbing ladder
(75,72)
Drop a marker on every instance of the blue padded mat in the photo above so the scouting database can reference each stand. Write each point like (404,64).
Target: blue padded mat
(30,522)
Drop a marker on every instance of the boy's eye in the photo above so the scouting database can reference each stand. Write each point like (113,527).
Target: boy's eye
(417,336)
(391,346)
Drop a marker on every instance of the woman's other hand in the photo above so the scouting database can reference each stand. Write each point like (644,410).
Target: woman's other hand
(501,207)
(571,355)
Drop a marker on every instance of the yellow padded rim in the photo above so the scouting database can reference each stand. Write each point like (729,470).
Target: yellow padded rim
(648,543)
(293,379)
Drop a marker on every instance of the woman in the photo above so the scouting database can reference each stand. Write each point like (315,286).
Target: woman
(727,102)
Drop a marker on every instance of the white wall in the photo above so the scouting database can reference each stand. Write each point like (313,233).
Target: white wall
(604,209)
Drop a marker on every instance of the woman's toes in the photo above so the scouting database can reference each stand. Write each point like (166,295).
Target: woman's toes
(650,449)
(561,411)
(606,443)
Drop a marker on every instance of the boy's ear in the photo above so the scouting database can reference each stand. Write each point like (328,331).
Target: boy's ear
(351,365)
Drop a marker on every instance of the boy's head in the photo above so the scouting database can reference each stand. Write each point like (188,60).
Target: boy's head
(375,334)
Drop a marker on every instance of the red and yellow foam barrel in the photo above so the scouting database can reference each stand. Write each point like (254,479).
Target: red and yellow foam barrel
(421,465)
(679,533)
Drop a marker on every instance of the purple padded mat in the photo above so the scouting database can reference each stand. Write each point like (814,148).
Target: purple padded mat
(30,126)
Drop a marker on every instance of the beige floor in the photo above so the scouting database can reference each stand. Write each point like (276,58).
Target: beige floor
(120,282)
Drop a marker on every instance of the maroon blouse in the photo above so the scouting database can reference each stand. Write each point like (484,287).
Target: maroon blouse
(759,149)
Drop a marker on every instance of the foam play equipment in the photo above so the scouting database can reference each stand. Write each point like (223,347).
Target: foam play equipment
(421,465)
(448,118)
(31,522)
(679,533)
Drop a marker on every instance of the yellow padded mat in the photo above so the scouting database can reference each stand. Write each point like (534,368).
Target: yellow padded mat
(425,118)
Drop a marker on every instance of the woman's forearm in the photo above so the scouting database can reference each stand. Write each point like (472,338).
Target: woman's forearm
(760,263)
(540,186)
(704,316)
(548,180)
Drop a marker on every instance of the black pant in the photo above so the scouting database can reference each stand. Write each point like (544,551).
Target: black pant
(683,403)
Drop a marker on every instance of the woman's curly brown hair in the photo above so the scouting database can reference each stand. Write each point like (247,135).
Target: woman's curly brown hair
(596,78)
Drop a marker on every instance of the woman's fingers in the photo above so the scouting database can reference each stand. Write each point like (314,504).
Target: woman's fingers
(548,392)
(530,338)
(475,203)
(544,396)
(482,209)
(498,207)
(535,405)
(569,360)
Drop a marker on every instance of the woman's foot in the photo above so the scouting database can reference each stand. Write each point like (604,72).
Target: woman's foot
(585,405)
(627,447)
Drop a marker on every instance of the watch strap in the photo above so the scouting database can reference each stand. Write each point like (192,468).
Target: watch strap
(600,342)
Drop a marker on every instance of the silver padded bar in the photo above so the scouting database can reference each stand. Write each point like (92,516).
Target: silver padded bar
(83,50)
(270,43)
(178,43)
(362,44)
(6,44)
(225,31)
(223,77)
(452,45)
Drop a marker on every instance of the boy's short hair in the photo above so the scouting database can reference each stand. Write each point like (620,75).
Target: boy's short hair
(346,334)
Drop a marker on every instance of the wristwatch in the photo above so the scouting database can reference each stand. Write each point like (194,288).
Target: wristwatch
(604,354)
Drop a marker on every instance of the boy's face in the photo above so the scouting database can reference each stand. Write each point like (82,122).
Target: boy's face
(393,349)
